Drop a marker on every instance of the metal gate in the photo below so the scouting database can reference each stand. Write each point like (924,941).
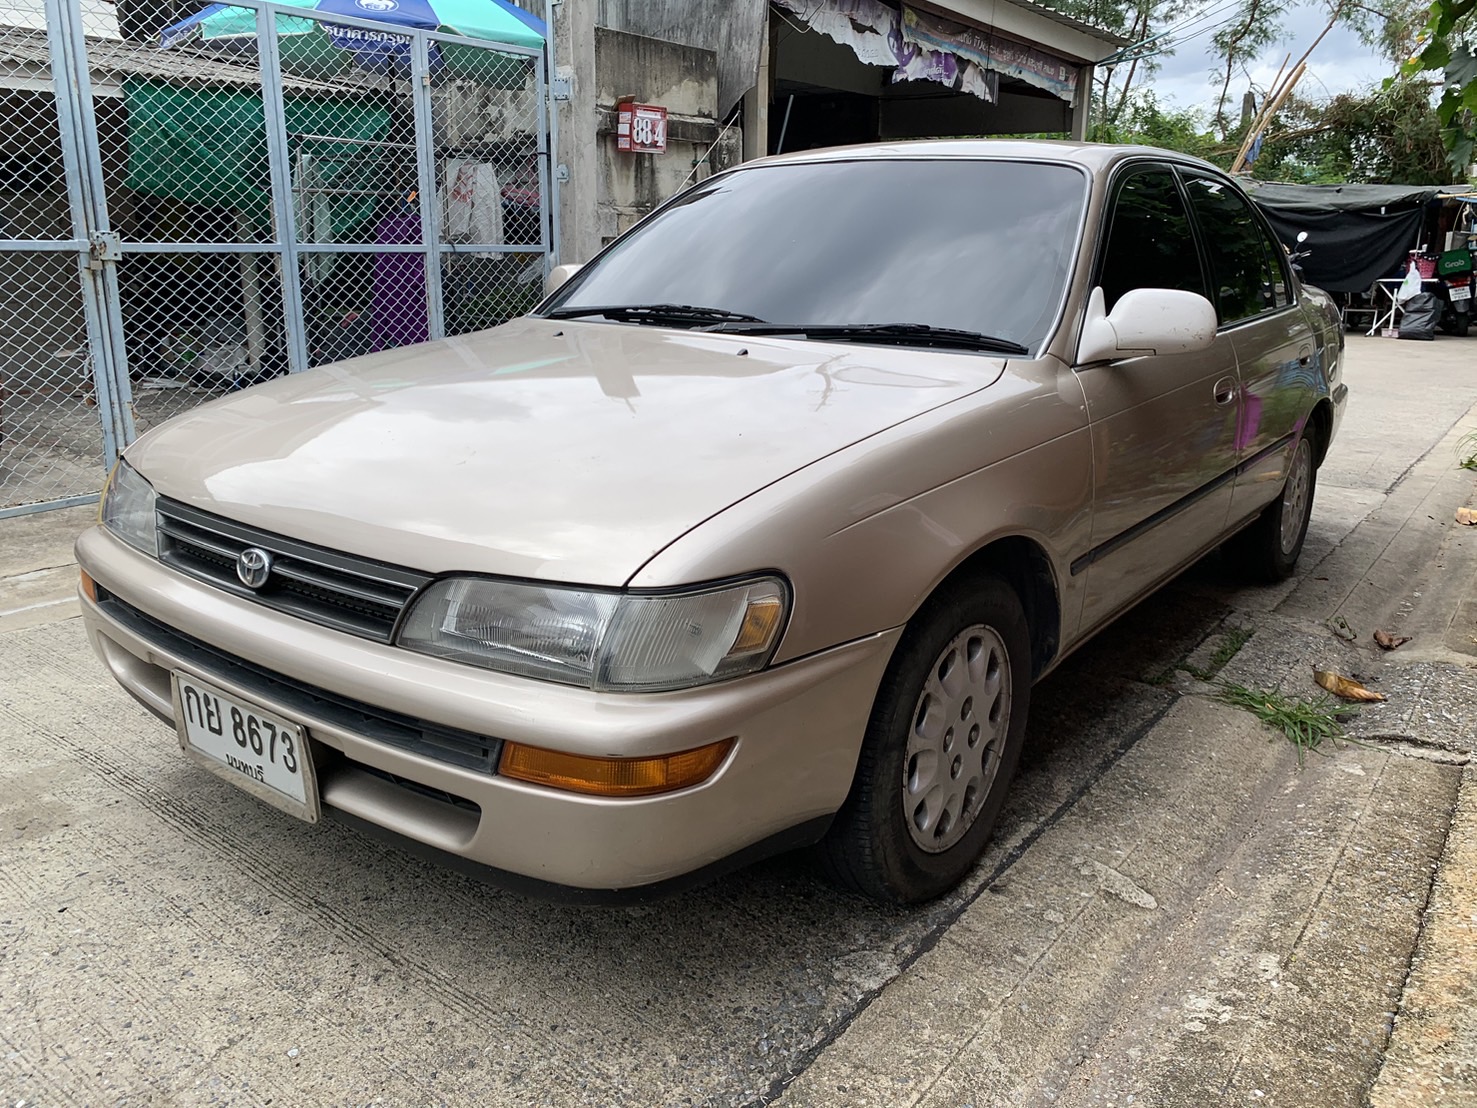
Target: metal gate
(225,203)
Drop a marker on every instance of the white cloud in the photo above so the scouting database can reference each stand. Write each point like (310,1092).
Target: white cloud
(1341,63)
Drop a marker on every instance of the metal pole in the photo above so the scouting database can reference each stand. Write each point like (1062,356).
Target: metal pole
(420,91)
(549,134)
(284,217)
(82,167)
(785,126)
(549,218)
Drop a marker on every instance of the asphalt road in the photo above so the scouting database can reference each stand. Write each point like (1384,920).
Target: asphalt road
(1172,909)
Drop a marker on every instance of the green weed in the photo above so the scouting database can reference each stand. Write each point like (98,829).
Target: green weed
(1306,723)
(1466,451)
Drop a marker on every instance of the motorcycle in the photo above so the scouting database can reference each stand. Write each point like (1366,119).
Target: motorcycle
(1454,273)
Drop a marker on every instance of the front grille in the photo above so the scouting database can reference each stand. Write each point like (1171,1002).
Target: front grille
(298,699)
(421,790)
(358,595)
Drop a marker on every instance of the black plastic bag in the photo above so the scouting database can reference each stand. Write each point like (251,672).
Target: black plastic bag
(1419,316)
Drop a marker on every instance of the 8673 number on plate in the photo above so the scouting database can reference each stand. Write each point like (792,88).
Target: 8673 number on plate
(260,751)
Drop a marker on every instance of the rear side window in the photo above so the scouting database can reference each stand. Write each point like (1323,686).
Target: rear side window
(1277,262)
(1150,244)
(1240,265)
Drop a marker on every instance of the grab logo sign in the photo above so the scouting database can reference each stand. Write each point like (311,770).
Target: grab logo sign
(641,128)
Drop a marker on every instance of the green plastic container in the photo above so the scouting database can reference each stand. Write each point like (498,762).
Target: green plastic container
(1454,261)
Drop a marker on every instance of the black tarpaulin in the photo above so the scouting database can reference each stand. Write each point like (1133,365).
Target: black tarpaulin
(1356,233)
(1342,198)
(1348,251)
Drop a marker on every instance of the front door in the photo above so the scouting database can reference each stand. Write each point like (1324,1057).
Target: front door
(1273,341)
(1163,428)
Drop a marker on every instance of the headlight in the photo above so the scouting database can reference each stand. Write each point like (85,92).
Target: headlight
(128,509)
(601,640)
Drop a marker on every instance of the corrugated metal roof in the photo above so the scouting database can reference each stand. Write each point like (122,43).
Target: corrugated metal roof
(23,48)
(1048,12)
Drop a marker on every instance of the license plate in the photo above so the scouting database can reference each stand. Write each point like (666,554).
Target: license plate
(1460,292)
(263,753)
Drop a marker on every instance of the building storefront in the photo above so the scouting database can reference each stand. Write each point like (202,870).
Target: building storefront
(742,79)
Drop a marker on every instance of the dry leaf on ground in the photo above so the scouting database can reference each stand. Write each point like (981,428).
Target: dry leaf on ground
(1467,516)
(1345,687)
(1388,641)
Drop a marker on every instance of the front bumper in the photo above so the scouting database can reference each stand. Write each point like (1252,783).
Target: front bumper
(798,729)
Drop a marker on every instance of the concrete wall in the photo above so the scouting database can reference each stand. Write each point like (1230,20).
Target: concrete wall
(574,157)
(682,79)
(609,190)
(732,29)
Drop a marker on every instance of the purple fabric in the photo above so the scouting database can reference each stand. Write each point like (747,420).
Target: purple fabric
(399,300)
(1249,421)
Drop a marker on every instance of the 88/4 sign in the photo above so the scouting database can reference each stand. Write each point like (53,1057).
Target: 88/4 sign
(641,128)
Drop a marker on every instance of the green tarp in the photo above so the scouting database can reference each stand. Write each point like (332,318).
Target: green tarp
(209,147)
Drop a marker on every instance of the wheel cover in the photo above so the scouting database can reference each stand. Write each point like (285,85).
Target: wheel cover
(1295,495)
(955,738)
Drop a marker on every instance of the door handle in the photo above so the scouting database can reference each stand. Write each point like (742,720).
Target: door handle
(1225,390)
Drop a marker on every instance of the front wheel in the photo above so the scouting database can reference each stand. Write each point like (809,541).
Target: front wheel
(1269,548)
(940,749)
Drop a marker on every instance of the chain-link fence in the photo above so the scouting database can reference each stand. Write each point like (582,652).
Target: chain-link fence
(51,446)
(243,192)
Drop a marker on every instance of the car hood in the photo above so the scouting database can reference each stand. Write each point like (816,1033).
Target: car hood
(555,450)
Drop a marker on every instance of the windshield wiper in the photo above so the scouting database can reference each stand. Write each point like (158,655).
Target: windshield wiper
(656,313)
(905,334)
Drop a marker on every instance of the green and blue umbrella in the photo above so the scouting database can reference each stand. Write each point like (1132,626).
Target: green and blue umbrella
(320,46)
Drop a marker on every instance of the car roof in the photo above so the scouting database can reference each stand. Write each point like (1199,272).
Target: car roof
(1093,156)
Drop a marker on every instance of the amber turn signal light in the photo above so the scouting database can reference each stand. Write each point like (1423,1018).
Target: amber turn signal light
(88,585)
(578,773)
(761,621)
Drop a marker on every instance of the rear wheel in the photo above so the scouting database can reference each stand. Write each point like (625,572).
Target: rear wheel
(1268,550)
(940,750)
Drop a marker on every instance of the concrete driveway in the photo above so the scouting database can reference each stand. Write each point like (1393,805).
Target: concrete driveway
(1174,910)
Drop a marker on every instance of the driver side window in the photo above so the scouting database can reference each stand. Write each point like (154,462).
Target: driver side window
(1149,242)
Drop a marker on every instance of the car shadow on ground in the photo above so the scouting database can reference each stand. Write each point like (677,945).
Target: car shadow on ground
(753,972)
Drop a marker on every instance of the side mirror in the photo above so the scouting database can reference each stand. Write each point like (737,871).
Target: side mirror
(1302,237)
(559,274)
(1146,321)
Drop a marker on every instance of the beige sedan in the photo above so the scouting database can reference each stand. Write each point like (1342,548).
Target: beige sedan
(755,535)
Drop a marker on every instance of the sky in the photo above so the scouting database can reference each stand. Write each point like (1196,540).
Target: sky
(1340,64)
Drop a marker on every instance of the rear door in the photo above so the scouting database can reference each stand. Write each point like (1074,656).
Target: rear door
(1163,428)
(1273,341)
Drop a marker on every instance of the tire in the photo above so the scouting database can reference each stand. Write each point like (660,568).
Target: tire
(965,656)
(1461,324)
(1268,550)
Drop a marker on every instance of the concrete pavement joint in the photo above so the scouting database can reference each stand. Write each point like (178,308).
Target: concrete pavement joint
(1464,417)
(32,574)
(1427,922)
(1411,746)
(940,930)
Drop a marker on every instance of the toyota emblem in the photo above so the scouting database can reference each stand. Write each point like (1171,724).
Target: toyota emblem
(253,566)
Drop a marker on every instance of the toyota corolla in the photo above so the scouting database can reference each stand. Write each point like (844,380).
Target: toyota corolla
(756,534)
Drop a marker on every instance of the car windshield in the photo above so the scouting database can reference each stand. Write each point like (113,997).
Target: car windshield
(971,245)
